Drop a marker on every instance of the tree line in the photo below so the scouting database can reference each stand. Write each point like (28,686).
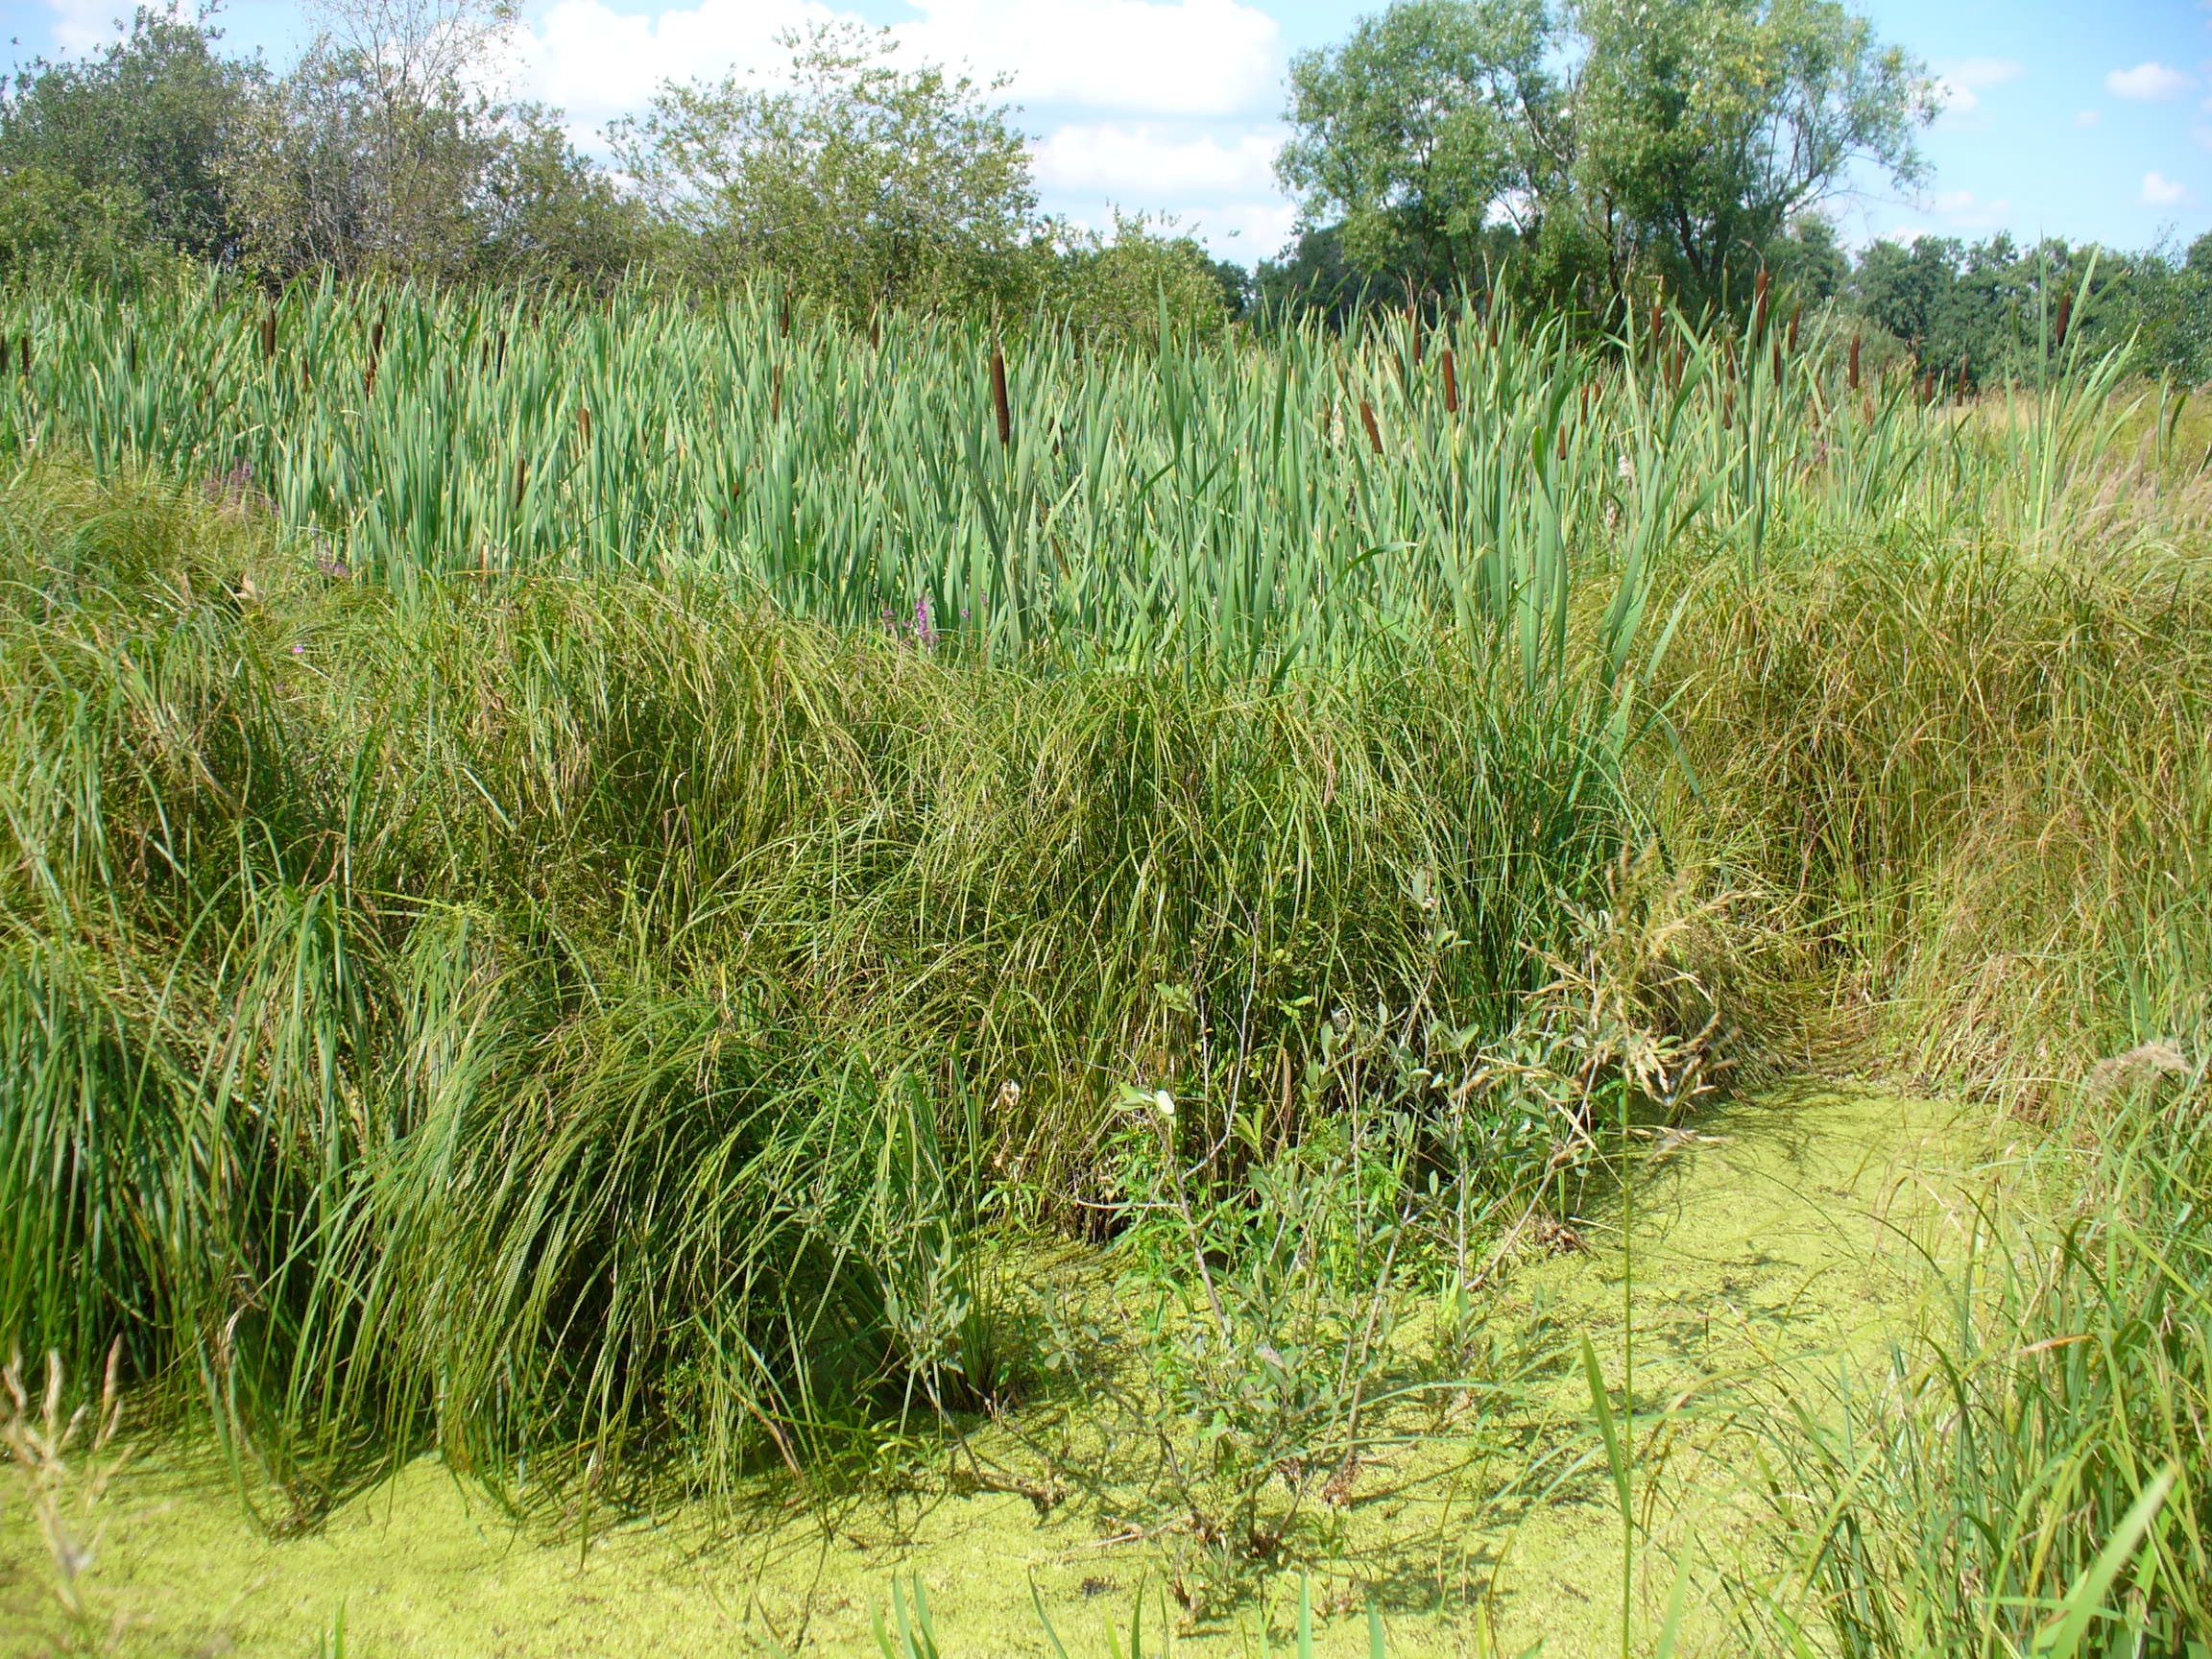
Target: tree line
(1593,157)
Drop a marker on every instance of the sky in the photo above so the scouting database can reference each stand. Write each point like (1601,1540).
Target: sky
(2087,119)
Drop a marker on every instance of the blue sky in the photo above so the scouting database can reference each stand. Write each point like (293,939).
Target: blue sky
(2066,118)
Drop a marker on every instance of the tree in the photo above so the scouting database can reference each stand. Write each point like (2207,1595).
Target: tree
(1414,136)
(1703,128)
(149,120)
(1601,149)
(1127,288)
(861,183)
(383,153)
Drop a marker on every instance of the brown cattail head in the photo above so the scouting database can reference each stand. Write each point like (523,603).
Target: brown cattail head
(584,425)
(522,478)
(1853,375)
(131,357)
(1367,419)
(1867,408)
(776,392)
(1777,364)
(1727,407)
(999,403)
(783,317)
(1658,322)
(1759,303)
(1562,440)
(3,353)
(1795,311)
(1451,383)
(2065,316)
(269,332)
(875,332)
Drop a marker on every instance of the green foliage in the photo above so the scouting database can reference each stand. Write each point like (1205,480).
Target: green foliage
(1412,135)
(52,228)
(864,186)
(1680,144)
(1701,128)
(1139,285)
(142,127)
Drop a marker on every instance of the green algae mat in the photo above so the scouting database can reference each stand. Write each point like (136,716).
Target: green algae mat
(1786,1233)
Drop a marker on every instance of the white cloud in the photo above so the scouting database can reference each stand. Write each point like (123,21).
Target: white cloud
(1145,162)
(1190,57)
(2089,118)
(1961,86)
(83,25)
(2151,82)
(2203,134)
(1964,210)
(595,61)
(1150,56)
(2160,191)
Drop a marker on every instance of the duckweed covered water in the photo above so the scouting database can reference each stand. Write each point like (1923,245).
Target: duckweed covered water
(1783,1232)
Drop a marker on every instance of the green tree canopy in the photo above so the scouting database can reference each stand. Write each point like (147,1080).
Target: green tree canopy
(861,182)
(1415,134)
(1704,127)
(1605,145)
(148,119)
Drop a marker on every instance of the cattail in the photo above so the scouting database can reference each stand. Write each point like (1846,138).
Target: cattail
(1413,327)
(269,332)
(2065,316)
(1795,311)
(522,479)
(1658,322)
(1854,370)
(131,357)
(999,404)
(783,319)
(1367,419)
(874,335)
(1759,303)
(776,392)
(1727,407)
(1450,384)
(1777,364)
(584,425)
(23,354)
(1867,408)
(1562,440)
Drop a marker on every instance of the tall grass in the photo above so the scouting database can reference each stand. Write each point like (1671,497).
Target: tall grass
(555,891)
(573,1022)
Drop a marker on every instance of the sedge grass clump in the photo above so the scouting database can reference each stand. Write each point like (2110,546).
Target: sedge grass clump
(579,1024)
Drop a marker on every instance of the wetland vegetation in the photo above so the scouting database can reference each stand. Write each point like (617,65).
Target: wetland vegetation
(1066,928)
(919,935)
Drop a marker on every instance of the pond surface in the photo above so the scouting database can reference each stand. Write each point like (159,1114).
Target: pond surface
(1785,1233)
